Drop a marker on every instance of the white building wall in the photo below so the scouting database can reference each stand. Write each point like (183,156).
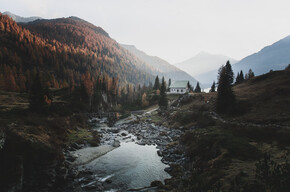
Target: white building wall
(178,90)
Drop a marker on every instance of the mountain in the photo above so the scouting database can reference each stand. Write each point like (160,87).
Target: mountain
(203,62)
(204,66)
(159,66)
(19,19)
(64,51)
(273,57)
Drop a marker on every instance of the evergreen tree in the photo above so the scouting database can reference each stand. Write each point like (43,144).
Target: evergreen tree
(212,89)
(169,83)
(226,98)
(188,86)
(238,79)
(251,74)
(163,102)
(37,97)
(157,83)
(242,78)
(197,88)
(229,72)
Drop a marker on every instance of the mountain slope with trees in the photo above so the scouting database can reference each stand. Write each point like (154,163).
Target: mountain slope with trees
(64,51)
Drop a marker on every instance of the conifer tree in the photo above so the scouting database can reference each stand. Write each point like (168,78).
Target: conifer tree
(157,83)
(242,78)
(188,86)
(238,79)
(226,98)
(251,74)
(169,83)
(230,72)
(163,102)
(197,88)
(212,89)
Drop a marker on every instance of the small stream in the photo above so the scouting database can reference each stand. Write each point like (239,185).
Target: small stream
(129,166)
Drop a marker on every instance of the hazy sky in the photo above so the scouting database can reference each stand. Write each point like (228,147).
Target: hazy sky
(175,30)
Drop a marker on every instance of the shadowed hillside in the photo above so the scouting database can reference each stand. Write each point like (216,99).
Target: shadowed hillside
(267,97)
(63,50)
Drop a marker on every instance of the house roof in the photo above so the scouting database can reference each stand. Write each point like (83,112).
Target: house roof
(179,84)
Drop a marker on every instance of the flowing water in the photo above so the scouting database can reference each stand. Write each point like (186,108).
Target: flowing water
(130,166)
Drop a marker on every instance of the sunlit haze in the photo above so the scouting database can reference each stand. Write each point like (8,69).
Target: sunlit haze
(174,30)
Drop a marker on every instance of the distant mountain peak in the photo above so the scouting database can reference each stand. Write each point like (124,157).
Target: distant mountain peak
(203,62)
(19,19)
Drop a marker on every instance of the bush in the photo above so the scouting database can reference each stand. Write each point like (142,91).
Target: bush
(272,176)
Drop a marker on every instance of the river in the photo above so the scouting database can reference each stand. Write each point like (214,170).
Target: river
(132,165)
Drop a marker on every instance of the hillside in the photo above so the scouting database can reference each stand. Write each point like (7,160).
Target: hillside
(267,98)
(159,66)
(232,152)
(272,57)
(19,19)
(63,50)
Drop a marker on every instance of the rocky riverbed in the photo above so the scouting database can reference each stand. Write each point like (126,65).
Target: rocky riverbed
(82,161)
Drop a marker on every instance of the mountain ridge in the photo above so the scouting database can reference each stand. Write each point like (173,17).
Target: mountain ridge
(272,57)
(160,67)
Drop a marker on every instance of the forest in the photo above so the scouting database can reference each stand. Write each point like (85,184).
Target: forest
(65,52)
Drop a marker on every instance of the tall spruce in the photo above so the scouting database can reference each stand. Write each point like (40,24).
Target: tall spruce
(230,72)
(157,83)
(188,86)
(197,88)
(212,89)
(169,83)
(37,96)
(251,74)
(226,98)
(163,102)
(240,77)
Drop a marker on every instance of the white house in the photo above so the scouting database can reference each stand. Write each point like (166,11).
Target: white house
(179,87)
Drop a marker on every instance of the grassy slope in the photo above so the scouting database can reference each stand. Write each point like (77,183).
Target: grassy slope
(267,97)
(224,153)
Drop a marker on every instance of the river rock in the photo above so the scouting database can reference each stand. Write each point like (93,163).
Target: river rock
(116,143)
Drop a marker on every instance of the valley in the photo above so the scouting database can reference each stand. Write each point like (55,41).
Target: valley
(80,112)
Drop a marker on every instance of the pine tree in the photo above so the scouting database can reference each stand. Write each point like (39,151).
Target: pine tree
(197,88)
(188,86)
(37,97)
(226,98)
(212,89)
(242,78)
(169,83)
(157,83)
(238,79)
(251,74)
(229,72)
(163,102)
